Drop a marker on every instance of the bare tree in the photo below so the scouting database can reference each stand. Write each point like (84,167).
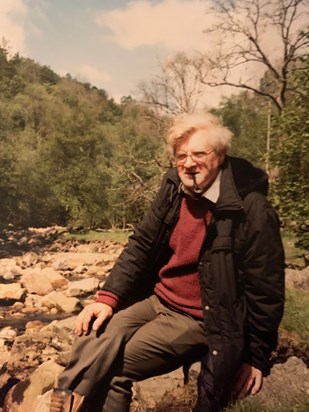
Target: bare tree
(177,89)
(271,35)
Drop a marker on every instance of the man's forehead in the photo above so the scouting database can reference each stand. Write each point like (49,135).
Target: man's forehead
(199,139)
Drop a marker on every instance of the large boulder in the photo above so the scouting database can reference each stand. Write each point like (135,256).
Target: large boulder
(23,396)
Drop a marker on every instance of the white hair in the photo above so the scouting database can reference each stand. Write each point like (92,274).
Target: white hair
(185,125)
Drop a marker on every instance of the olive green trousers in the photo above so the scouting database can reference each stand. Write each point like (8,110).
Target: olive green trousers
(147,339)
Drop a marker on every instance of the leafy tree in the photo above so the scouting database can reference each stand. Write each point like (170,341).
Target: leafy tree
(290,189)
(136,165)
(246,116)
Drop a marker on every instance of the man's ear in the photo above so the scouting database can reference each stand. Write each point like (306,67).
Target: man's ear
(221,157)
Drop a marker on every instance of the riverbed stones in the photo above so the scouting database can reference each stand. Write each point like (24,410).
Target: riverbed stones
(37,283)
(82,287)
(54,277)
(74,271)
(62,302)
(12,292)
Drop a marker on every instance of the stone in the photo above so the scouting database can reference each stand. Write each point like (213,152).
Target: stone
(63,303)
(153,391)
(55,278)
(97,271)
(293,376)
(4,353)
(8,333)
(82,287)
(11,292)
(30,259)
(71,260)
(42,403)
(37,283)
(23,396)
(9,269)
(297,279)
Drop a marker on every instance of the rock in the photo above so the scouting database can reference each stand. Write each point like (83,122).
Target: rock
(37,283)
(8,333)
(55,278)
(158,392)
(287,385)
(30,259)
(63,303)
(42,403)
(97,271)
(9,269)
(72,260)
(82,287)
(5,353)
(297,279)
(11,293)
(18,305)
(62,265)
(23,396)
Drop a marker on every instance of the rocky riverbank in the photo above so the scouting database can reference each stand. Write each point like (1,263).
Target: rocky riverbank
(45,280)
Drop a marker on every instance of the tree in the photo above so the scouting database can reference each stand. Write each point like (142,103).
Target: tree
(245,29)
(245,114)
(136,165)
(290,190)
(176,90)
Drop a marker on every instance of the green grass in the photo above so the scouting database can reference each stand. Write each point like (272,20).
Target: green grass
(296,313)
(252,405)
(116,235)
(293,254)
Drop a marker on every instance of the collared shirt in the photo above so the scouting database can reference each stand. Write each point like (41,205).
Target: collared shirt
(212,193)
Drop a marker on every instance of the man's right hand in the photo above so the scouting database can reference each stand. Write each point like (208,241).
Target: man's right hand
(97,310)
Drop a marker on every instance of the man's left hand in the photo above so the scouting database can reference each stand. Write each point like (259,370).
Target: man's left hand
(249,381)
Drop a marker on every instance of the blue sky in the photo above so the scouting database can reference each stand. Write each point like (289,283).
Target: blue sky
(113,44)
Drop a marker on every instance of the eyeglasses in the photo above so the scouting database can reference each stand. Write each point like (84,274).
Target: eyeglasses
(197,157)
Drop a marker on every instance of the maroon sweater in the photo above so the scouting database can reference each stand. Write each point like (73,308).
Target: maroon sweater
(179,284)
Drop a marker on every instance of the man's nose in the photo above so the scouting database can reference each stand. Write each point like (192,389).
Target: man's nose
(189,162)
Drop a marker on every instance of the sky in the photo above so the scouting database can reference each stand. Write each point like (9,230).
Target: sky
(112,44)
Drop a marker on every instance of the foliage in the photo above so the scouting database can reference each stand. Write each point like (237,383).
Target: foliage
(71,155)
(290,190)
(246,116)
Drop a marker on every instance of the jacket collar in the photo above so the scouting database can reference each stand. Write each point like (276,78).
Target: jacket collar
(239,177)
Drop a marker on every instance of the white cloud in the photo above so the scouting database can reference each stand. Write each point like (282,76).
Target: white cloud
(176,24)
(91,74)
(13,15)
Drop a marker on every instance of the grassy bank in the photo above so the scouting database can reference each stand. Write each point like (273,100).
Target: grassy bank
(117,235)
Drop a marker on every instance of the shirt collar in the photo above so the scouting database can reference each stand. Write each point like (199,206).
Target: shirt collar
(212,193)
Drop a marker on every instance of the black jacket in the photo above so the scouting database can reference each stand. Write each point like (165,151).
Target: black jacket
(241,267)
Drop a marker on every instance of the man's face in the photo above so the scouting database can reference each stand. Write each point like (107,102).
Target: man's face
(195,156)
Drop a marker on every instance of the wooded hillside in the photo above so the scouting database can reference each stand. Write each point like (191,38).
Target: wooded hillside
(71,155)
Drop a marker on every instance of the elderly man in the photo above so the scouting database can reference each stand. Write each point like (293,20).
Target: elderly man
(205,269)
